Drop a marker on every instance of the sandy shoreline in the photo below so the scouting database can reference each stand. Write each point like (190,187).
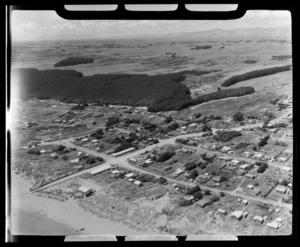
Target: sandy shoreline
(31,214)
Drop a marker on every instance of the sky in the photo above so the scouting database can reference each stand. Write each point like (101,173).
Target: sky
(47,25)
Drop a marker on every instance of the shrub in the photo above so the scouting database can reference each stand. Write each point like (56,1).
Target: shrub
(206,128)
(184,203)
(155,141)
(34,151)
(263,141)
(162,180)
(222,194)
(173,126)
(73,61)
(284,182)
(262,168)
(198,195)
(190,166)
(241,145)
(223,179)
(59,148)
(111,121)
(99,159)
(193,174)
(254,148)
(182,141)
(91,160)
(168,119)
(146,178)
(207,192)
(225,136)
(64,157)
(165,156)
(197,115)
(214,199)
(191,191)
(238,117)
(124,145)
(254,74)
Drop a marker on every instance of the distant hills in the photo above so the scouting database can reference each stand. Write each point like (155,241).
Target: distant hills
(283,32)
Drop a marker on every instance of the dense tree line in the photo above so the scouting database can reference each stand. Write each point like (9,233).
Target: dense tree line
(182,102)
(73,61)
(254,74)
(158,92)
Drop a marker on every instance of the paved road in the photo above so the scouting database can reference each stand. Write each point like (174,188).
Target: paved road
(122,162)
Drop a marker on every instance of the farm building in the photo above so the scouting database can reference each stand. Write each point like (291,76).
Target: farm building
(222,211)
(188,198)
(115,173)
(258,155)
(247,154)
(244,167)
(129,175)
(256,191)
(278,219)
(78,167)
(250,186)
(202,203)
(281,189)
(225,149)
(54,155)
(132,160)
(234,162)
(258,219)
(216,179)
(239,200)
(100,169)
(250,176)
(109,151)
(85,191)
(202,178)
(237,215)
(245,202)
(123,152)
(74,161)
(245,214)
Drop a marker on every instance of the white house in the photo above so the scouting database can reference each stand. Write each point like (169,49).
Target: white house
(250,186)
(258,219)
(274,225)
(245,202)
(237,215)
(138,183)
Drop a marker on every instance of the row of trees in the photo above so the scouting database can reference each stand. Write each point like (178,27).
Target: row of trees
(225,136)
(254,74)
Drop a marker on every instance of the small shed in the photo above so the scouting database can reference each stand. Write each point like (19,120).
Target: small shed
(85,191)
(222,211)
(129,175)
(245,214)
(245,202)
(250,176)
